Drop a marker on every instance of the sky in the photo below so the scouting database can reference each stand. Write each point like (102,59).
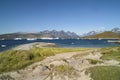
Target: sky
(79,16)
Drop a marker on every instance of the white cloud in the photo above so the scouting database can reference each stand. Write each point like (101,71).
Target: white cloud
(102,28)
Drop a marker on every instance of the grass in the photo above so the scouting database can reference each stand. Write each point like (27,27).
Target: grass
(94,61)
(105,73)
(62,68)
(17,59)
(65,70)
(111,53)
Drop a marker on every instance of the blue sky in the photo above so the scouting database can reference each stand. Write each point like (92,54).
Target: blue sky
(79,16)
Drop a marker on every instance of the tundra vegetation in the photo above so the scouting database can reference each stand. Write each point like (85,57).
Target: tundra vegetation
(107,72)
(17,59)
(111,53)
(12,60)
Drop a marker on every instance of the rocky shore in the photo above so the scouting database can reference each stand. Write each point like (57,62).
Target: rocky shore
(35,44)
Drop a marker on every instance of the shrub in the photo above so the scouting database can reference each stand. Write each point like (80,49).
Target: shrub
(30,56)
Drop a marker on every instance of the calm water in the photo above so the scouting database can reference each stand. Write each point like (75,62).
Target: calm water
(61,43)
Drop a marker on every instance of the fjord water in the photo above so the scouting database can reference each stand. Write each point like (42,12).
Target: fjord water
(61,43)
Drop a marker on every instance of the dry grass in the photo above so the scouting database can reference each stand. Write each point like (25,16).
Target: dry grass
(16,59)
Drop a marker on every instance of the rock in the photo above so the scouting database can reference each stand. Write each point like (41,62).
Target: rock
(35,44)
(6,77)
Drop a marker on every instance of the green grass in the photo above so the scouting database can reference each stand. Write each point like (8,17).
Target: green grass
(94,61)
(65,70)
(111,53)
(17,59)
(62,68)
(105,73)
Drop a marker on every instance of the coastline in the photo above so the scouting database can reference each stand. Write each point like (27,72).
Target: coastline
(34,45)
(71,43)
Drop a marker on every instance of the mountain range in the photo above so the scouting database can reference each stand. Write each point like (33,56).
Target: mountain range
(42,34)
(106,34)
(92,33)
(95,32)
(114,33)
(116,30)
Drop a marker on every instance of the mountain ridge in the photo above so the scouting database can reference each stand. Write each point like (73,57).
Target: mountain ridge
(106,34)
(42,34)
(113,33)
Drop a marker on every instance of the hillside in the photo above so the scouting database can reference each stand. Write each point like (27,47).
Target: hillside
(106,34)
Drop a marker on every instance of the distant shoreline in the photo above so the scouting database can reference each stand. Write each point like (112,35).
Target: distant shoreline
(34,44)
(32,39)
(63,43)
